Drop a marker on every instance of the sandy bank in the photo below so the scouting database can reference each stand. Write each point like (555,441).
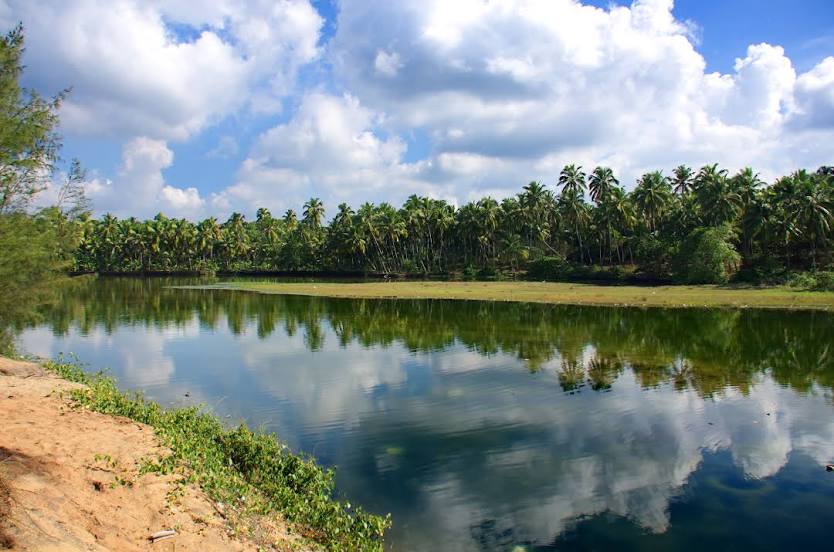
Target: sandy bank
(69,480)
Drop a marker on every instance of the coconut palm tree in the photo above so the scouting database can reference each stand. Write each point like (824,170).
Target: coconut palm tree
(575,213)
(572,179)
(313,212)
(601,182)
(682,180)
(652,197)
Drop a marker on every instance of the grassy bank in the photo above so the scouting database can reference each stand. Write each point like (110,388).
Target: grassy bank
(559,293)
(248,472)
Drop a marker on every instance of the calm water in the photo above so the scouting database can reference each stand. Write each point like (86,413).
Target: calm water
(493,426)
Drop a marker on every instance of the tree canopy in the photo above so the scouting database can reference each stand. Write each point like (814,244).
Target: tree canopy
(665,228)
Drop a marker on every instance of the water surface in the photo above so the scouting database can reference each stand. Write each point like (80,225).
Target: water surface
(492,426)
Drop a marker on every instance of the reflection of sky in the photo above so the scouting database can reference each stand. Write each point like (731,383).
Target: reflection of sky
(455,441)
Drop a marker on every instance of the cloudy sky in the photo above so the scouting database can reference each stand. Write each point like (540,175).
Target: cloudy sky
(202,107)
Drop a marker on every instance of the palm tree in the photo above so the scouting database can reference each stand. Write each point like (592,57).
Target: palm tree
(208,235)
(746,185)
(683,180)
(601,183)
(615,214)
(812,210)
(718,200)
(575,212)
(572,179)
(514,251)
(290,219)
(534,201)
(236,240)
(313,212)
(652,196)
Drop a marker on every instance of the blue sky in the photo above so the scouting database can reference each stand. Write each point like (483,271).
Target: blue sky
(199,108)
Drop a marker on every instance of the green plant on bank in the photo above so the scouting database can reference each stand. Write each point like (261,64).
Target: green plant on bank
(816,281)
(246,471)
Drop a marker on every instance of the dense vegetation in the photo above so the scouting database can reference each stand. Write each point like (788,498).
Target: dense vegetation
(693,226)
(251,473)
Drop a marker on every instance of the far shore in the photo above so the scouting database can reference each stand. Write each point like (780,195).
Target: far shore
(554,293)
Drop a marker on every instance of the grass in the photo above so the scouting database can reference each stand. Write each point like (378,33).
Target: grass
(558,293)
(248,472)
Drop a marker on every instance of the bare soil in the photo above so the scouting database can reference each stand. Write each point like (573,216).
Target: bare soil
(69,480)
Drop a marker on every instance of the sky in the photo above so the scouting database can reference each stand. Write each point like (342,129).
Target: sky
(203,108)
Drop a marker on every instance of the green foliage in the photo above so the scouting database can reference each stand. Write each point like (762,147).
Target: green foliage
(824,281)
(815,281)
(35,251)
(249,472)
(654,256)
(788,223)
(549,268)
(707,256)
(28,139)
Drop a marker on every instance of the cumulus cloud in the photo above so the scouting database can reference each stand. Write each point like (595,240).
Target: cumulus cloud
(522,87)
(500,93)
(815,96)
(132,74)
(329,148)
(139,189)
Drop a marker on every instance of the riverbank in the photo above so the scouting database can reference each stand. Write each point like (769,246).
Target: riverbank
(557,293)
(86,467)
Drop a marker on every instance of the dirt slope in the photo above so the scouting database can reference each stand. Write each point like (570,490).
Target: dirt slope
(63,474)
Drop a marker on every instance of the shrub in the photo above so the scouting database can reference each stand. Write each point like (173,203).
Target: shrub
(824,281)
(802,280)
(470,273)
(654,256)
(549,268)
(816,281)
(707,256)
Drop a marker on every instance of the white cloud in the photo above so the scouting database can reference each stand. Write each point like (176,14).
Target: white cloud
(139,189)
(533,84)
(815,96)
(503,92)
(387,64)
(328,149)
(132,75)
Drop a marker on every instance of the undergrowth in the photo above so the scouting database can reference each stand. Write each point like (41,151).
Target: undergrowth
(249,472)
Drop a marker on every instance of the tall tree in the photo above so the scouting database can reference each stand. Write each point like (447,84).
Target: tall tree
(652,197)
(601,182)
(572,179)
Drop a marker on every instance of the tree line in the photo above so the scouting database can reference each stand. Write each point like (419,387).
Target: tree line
(698,226)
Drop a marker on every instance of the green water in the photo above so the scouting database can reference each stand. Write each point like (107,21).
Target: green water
(492,426)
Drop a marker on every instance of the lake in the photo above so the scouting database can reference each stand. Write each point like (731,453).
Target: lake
(500,426)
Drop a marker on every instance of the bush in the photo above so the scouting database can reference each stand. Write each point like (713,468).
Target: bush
(707,256)
(825,281)
(470,273)
(816,281)
(654,256)
(549,268)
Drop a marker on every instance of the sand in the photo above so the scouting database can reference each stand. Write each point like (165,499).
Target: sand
(60,473)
